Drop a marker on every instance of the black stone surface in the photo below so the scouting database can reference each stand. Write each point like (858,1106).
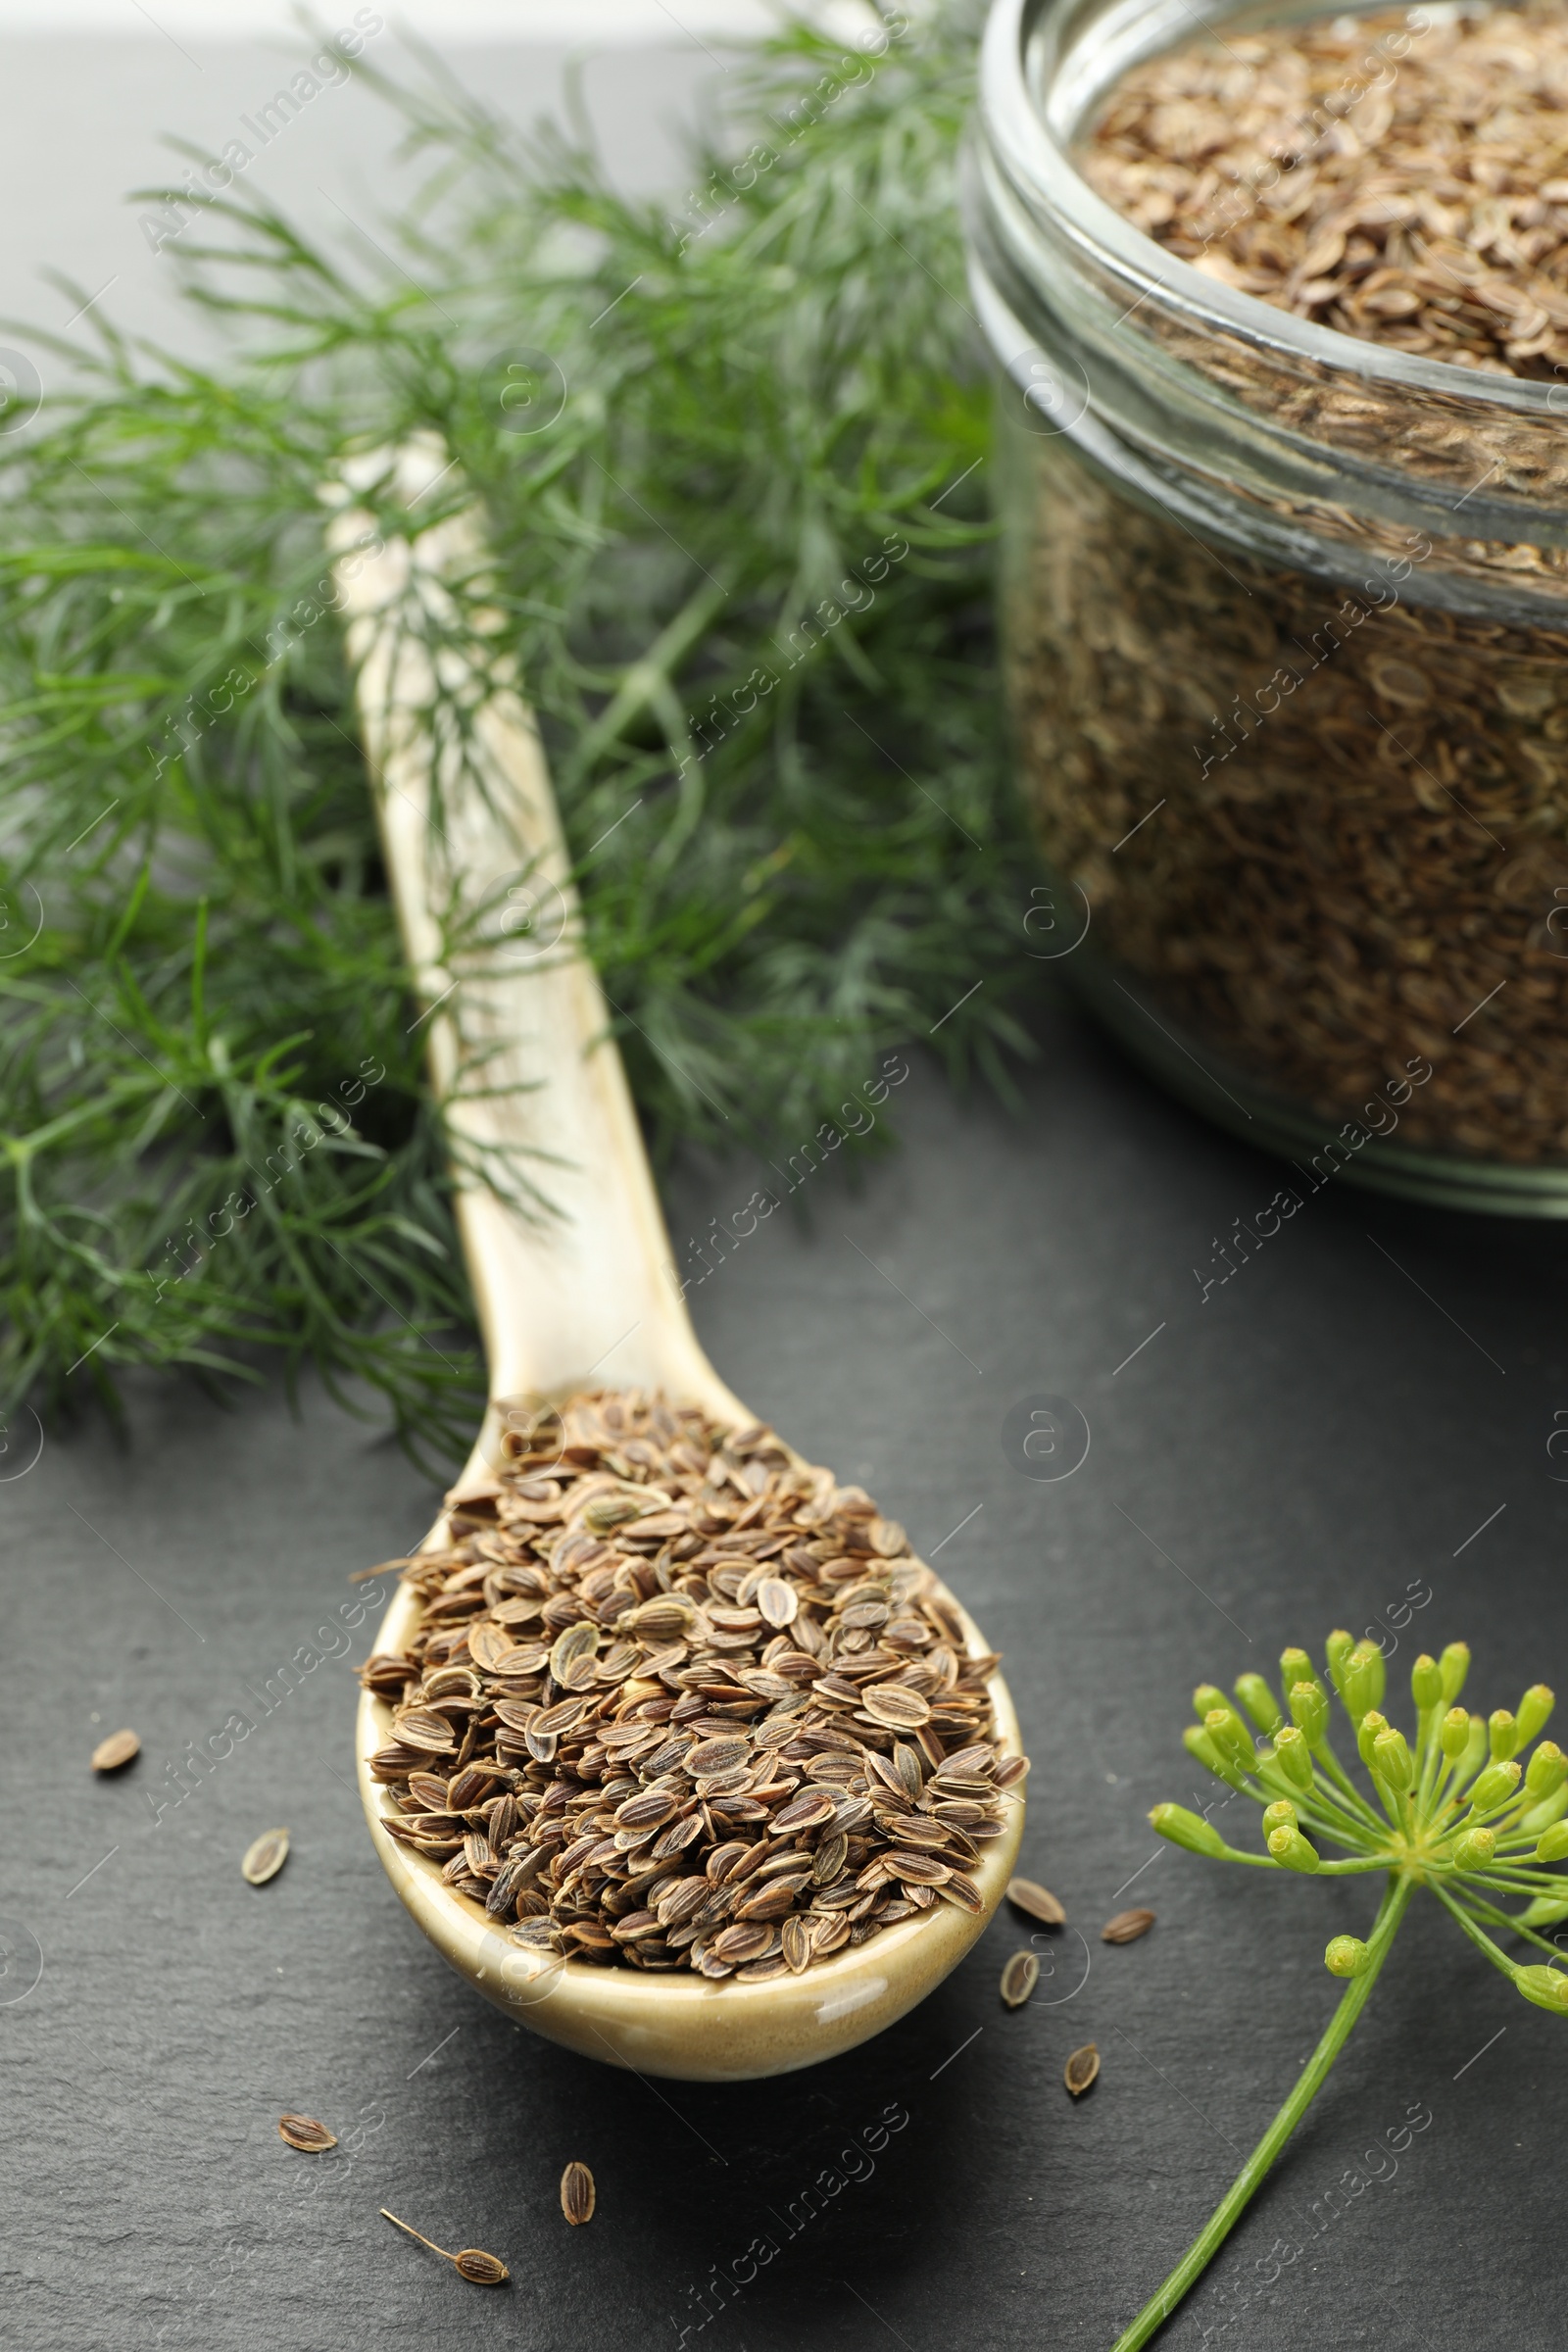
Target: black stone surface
(1321,1435)
(1314,1443)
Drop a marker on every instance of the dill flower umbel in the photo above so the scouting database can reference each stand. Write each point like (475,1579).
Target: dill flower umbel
(1455,1808)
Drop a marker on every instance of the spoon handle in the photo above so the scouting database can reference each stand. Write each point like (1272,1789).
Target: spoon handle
(555,1206)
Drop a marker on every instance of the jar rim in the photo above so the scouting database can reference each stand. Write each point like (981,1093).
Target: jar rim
(1035,155)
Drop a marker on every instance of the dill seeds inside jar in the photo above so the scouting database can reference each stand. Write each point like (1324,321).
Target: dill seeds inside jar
(1286,587)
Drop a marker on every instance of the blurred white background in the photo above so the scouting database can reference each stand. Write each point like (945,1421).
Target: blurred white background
(91,89)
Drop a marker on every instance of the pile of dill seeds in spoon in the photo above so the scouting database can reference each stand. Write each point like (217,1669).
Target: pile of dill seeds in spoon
(679,1702)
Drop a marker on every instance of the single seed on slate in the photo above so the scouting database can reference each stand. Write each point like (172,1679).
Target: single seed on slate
(577,2194)
(469,2262)
(265,1857)
(119,1750)
(483,2269)
(1127,1926)
(304,2132)
(1081,2069)
(1037,1901)
(1020,1978)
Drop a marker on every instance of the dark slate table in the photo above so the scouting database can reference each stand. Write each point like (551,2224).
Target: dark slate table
(1314,1443)
(1358,1416)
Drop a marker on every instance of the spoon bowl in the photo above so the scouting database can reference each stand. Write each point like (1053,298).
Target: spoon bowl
(682,2025)
(564,1239)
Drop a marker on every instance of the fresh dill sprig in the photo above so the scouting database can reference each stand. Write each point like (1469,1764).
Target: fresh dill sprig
(730,451)
(1451,1812)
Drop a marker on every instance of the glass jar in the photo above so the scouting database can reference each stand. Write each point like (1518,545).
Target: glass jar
(1286,629)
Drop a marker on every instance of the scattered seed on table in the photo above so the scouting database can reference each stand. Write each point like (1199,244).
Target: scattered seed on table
(266,1857)
(304,2132)
(469,2262)
(1127,1926)
(1081,2069)
(1020,1978)
(1037,1901)
(577,2194)
(484,2270)
(116,1753)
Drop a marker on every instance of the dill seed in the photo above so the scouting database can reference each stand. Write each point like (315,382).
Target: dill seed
(1081,2069)
(678,1702)
(469,2262)
(483,2269)
(795,1941)
(304,2132)
(265,1857)
(116,1753)
(1020,1978)
(777,1600)
(577,2194)
(1037,1901)
(1127,1926)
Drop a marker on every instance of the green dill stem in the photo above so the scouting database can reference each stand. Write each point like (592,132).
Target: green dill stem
(1443,1768)
(1322,1801)
(1480,1909)
(1341,1827)
(1328,1762)
(1515,1882)
(1390,1799)
(1478,1935)
(1323,1805)
(1324,1870)
(1249,2179)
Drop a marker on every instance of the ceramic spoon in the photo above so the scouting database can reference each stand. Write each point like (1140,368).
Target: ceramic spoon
(579,1299)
